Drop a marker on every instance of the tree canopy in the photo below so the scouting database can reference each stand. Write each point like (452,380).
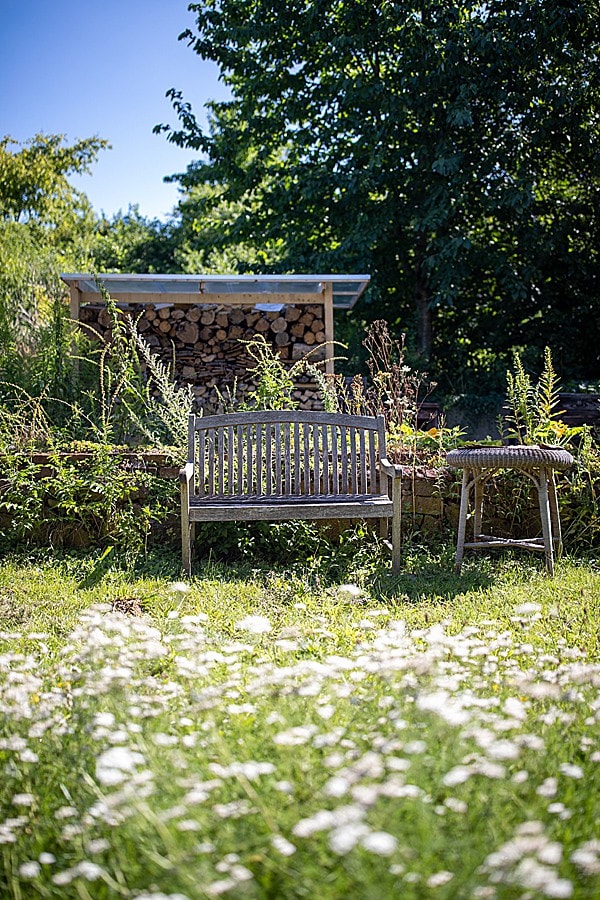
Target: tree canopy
(34,185)
(451,150)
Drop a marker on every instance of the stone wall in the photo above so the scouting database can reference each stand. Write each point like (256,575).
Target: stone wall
(430,496)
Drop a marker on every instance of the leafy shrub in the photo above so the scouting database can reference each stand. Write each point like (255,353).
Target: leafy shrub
(78,503)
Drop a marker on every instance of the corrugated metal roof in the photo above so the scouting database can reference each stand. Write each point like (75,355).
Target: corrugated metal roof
(346,289)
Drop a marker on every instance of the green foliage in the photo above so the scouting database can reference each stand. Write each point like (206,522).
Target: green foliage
(430,144)
(129,242)
(532,408)
(579,497)
(273,381)
(68,502)
(34,186)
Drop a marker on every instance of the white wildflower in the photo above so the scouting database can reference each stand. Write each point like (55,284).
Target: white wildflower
(179,587)
(23,800)
(293,737)
(336,786)
(587,857)
(65,812)
(571,770)
(254,624)
(548,788)
(439,878)
(457,775)
(64,877)
(188,825)
(30,869)
(98,845)
(345,837)
(414,747)
(222,886)
(520,777)
(528,609)
(285,787)
(116,764)
(282,845)
(380,843)
(89,870)
(550,853)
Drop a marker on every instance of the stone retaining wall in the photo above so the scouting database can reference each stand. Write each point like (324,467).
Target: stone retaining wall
(430,496)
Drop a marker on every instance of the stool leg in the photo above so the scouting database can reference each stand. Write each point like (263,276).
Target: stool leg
(462,518)
(479,486)
(555,515)
(546,522)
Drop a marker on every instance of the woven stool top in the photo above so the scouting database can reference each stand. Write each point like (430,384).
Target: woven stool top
(529,456)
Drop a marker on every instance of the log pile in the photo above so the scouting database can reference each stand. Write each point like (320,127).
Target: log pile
(208,343)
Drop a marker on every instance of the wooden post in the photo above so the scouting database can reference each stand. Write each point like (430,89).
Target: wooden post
(74,306)
(329,349)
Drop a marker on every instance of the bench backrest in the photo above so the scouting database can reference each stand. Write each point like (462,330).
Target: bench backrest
(285,453)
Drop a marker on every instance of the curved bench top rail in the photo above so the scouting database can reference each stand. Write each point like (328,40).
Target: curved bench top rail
(369,423)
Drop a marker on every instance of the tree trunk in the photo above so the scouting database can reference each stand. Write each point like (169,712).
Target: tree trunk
(422,304)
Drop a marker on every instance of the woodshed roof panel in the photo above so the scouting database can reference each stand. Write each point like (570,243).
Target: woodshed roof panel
(346,289)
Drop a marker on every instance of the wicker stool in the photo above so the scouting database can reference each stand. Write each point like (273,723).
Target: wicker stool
(539,463)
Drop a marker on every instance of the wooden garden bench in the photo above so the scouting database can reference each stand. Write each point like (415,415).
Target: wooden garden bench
(278,466)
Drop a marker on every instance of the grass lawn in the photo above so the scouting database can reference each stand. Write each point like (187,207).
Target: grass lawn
(319,730)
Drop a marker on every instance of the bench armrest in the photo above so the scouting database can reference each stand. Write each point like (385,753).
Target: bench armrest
(185,481)
(186,474)
(394,470)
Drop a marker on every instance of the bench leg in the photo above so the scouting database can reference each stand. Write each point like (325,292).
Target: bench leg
(384,527)
(396,523)
(188,533)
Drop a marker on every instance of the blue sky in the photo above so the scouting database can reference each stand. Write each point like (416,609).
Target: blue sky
(86,67)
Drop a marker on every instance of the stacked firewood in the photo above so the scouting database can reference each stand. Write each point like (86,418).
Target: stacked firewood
(209,343)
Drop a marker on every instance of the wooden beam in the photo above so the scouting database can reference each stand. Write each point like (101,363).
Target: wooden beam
(75,302)
(329,348)
(74,307)
(220,299)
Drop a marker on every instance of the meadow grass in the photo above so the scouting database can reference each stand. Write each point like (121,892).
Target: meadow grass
(323,729)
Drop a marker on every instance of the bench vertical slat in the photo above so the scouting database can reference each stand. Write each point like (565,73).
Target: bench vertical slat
(278,484)
(220,462)
(259,460)
(317,461)
(363,462)
(230,461)
(344,443)
(240,460)
(249,459)
(269,459)
(287,458)
(211,462)
(372,464)
(335,475)
(353,462)
(297,458)
(306,459)
(326,469)
(201,450)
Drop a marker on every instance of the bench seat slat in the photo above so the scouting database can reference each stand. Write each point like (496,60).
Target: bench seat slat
(331,506)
